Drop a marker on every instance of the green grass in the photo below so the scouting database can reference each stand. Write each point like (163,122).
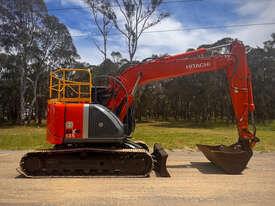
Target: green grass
(172,135)
(182,135)
(23,137)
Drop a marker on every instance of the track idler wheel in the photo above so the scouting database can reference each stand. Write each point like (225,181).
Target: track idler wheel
(159,161)
(232,159)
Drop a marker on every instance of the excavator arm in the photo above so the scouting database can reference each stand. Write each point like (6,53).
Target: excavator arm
(194,62)
(234,62)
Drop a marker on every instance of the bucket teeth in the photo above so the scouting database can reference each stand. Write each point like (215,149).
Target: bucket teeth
(159,161)
(232,159)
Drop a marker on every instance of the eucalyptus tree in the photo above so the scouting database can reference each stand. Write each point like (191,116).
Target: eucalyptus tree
(20,26)
(38,41)
(131,18)
(100,11)
(55,49)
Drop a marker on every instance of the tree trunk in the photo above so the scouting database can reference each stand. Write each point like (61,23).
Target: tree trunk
(22,95)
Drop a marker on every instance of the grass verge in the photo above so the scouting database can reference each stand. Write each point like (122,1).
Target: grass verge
(182,135)
(172,135)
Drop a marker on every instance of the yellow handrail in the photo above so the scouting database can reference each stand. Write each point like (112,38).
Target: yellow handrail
(63,89)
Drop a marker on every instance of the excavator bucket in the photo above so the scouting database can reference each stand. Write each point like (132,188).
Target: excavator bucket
(159,161)
(232,159)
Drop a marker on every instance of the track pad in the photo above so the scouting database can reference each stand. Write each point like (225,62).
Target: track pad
(159,161)
(232,159)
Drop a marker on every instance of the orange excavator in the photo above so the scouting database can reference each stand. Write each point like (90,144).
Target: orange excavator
(90,121)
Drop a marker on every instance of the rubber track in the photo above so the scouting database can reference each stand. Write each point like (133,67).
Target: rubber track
(79,162)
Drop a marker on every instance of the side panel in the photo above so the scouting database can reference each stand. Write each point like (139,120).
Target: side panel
(104,125)
(74,121)
(91,123)
(55,123)
(77,122)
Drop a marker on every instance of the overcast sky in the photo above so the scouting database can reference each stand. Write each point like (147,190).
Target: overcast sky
(184,14)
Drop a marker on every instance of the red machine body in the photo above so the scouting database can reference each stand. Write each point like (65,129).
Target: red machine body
(64,121)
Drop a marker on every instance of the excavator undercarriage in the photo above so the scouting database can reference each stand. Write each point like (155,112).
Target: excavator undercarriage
(76,160)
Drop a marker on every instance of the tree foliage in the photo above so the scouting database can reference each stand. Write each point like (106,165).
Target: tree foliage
(205,97)
(32,43)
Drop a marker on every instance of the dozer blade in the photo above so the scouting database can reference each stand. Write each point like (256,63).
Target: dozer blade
(232,159)
(159,161)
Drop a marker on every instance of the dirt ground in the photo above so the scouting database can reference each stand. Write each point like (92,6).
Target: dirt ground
(194,181)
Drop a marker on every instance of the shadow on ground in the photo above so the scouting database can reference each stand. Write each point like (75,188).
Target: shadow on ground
(203,167)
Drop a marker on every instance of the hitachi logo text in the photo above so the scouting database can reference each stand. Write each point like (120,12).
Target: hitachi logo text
(197,66)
